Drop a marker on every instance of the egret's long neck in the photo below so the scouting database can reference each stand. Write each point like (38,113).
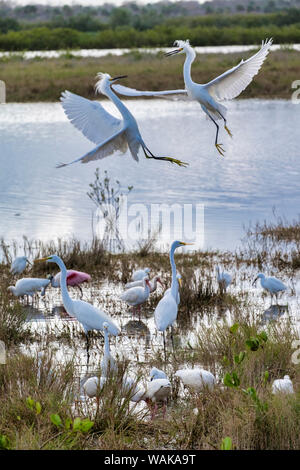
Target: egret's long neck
(67,301)
(121,107)
(190,57)
(174,284)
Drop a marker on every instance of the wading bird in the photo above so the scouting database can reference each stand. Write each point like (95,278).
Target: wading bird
(19,264)
(157,390)
(90,317)
(153,284)
(197,379)
(225,87)
(108,364)
(107,132)
(271,284)
(93,386)
(157,374)
(137,295)
(224,279)
(284,385)
(74,279)
(165,313)
(140,274)
(29,286)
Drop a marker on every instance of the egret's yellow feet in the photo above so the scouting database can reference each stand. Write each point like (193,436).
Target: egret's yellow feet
(168,159)
(228,131)
(220,149)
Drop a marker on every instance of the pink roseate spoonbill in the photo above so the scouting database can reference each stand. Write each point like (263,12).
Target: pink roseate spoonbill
(19,264)
(224,279)
(29,286)
(198,379)
(74,279)
(137,295)
(153,284)
(140,274)
(109,133)
(90,317)
(209,95)
(271,284)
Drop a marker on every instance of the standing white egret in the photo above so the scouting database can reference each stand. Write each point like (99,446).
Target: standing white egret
(140,274)
(108,363)
(107,132)
(19,264)
(284,385)
(197,379)
(271,284)
(165,313)
(153,284)
(225,87)
(90,317)
(224,279)
(137,295)
(29,286)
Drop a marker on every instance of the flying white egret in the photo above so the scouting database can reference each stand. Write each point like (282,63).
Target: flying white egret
(90,317)
(19,264)
(225,87)
(197,379)
(224,279)
(108,363)
(179,279)
(137,295)
(140,274)
(29,286)
(165,313)
(284,385)
(271,284)
(153,284)
(106,131)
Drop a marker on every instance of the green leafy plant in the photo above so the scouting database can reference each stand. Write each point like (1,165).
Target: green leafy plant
(226,443)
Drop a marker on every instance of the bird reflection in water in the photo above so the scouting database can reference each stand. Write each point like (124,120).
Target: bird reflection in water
(274,312)
(137,328)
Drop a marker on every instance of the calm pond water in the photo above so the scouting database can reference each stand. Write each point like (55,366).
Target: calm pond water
(260,169)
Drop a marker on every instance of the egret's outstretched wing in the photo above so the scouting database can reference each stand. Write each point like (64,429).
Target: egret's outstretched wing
(124,90)
(116,142)
(89,117)
(231,83)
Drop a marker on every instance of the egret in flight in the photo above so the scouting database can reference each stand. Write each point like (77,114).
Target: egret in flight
(209,95)
(106,131)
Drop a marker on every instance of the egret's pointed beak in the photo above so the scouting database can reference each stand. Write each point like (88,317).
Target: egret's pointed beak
(180,281)
(254,281)
(118,78)
(176,51)
(184,243)
(29,262)
(40,260)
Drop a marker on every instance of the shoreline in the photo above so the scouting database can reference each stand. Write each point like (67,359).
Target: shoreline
(43,80)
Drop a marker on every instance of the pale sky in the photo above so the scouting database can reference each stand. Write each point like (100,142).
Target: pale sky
(82,2)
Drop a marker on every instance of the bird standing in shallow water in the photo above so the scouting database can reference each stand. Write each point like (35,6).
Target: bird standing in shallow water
(271,284)
(90,317)
(107,132)
(209,95)
(137,295)
(224,279)
(29,286)
(74,279)
(153,284)
(19,264)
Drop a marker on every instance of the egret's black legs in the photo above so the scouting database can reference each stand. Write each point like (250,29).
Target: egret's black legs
(169,159)
(164,337)
(81,291)
(218,146)
(87,334)
(172,338)
(225,125)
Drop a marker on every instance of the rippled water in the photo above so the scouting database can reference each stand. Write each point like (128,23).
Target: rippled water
(260,169)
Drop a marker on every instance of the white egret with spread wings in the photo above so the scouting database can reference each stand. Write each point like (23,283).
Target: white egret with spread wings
(209,95)
(109,133)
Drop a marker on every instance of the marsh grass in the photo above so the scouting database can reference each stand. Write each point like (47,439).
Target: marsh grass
(43,80)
